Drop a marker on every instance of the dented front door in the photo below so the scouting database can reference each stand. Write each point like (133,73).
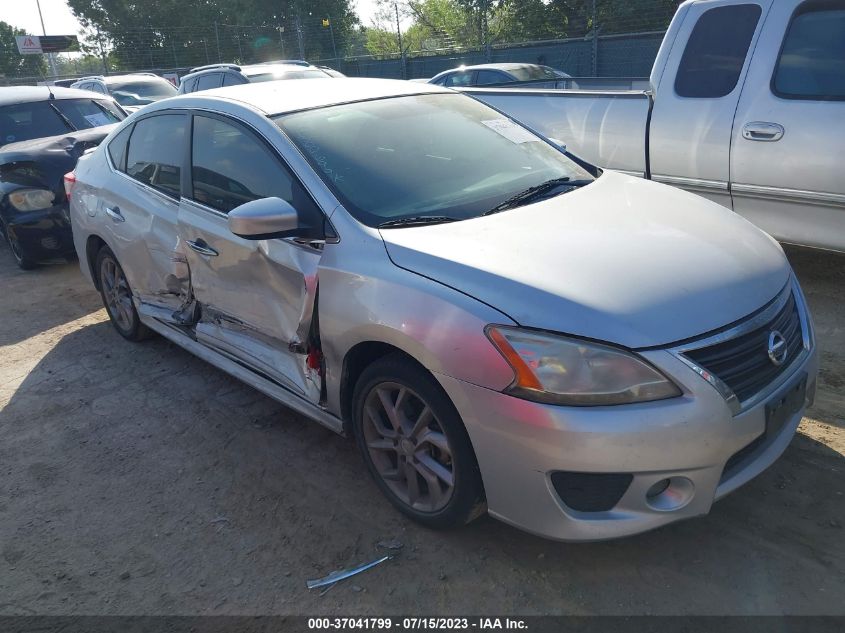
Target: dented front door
(254,298)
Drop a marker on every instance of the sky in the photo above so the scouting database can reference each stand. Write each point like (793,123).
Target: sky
(60,21)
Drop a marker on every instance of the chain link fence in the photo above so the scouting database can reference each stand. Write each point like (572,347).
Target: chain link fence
(585,38)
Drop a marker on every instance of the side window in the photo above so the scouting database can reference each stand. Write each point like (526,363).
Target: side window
(100,88)
(812,61)
(230,166)
(231,79)
(462,78)
(189,86)
(117,148)
(156,149)
(486,77)
(209,81)
(716,51)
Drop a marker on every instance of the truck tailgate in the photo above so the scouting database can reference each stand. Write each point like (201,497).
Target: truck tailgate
(607,129)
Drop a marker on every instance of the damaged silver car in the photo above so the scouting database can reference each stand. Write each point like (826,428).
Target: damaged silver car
(500,325)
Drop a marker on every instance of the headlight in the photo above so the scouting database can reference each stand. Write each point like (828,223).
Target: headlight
(559,370)
(31,199)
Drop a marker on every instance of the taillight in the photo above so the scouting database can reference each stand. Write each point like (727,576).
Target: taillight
(70,181)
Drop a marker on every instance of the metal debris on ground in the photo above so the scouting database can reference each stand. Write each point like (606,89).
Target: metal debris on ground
(342,574)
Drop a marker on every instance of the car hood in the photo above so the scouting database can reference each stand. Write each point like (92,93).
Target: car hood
(622,260)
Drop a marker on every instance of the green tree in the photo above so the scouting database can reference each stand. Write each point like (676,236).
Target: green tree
(12,63)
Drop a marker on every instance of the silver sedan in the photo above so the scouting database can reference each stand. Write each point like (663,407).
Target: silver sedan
(502,327)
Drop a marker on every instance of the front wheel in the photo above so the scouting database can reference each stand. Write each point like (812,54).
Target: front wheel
(415,444)
(117,297)
(24,261)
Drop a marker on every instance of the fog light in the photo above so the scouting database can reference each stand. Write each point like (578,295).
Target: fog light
(670,494)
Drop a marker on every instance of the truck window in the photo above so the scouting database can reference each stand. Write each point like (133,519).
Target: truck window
(716,51)
(812,61)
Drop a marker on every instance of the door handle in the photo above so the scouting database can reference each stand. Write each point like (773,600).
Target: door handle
(762,131)
(115,214)
(202,248)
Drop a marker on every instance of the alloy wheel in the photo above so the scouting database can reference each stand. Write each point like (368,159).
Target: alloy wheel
(408,447)
(116,293)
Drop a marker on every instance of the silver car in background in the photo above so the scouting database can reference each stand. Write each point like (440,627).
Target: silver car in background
(501,326)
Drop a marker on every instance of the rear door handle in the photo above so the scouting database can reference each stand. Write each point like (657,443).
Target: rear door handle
(202,248)
(115,214)
(762,131)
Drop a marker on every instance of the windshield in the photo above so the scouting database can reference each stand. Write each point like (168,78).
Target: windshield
(427,155)
(40,119)
(141,92)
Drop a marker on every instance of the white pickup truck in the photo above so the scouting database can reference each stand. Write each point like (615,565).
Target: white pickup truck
(746,106)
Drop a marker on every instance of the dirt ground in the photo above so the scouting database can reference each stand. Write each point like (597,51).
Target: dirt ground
(137,479)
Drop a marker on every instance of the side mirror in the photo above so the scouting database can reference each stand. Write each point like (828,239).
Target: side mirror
(264,219)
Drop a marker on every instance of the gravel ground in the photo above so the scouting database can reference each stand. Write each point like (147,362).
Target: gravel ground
(136,479)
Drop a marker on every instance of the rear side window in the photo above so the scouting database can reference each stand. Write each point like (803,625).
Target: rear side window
(117,148)
(463,78)
(486,77)
(230,166)
(230,79)
(812,61)
(716,51)
(209,81)
(155,153)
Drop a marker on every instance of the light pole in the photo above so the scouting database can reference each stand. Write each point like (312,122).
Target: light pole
(44,31)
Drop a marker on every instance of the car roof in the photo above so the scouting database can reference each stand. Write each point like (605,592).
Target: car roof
(280,97)
(501,66)
(267,68)
(132,77)
(27,94)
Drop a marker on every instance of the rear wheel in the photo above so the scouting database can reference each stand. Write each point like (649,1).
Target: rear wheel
(117,297)
(415,444)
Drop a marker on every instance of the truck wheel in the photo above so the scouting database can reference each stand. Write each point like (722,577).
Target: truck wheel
(117,297)
(415,444)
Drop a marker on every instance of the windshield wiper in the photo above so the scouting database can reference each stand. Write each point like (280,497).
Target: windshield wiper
(416,221)
(523,197)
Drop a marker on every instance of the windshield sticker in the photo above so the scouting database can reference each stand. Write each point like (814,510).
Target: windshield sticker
(511,131)
(100,118)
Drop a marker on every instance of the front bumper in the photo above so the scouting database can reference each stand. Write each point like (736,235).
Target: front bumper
(688,440)
(42,234)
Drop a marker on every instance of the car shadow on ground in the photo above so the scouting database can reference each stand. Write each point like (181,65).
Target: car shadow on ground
(142,480)
(39,300)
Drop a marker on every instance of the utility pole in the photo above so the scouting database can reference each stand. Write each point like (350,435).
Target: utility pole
(595,40)
(328,23)
(103,52)
(399,35)
(299,37)
(50,59)
(217,37)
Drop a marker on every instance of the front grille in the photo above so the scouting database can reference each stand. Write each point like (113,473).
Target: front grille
(743,363)
(591,492)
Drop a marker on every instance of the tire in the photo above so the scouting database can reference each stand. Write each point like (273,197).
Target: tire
(413,465)
(24,261)
(117,297)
